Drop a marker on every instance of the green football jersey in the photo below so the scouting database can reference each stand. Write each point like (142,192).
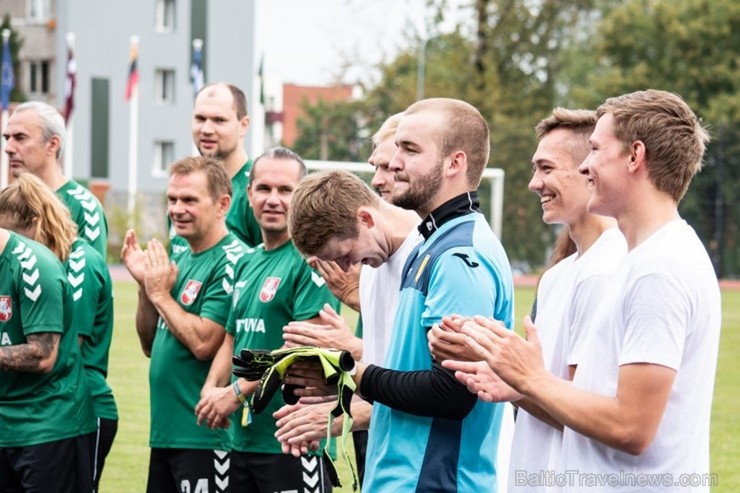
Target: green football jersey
(204,287)
(88,214)
(92,316)
(240,218)
(276,287)
(35,298)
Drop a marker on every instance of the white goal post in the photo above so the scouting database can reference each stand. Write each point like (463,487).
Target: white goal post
(494,177)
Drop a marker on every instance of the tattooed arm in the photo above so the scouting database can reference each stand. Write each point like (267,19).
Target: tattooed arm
(37,355)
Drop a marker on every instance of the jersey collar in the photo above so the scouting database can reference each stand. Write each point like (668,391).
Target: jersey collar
(461,205)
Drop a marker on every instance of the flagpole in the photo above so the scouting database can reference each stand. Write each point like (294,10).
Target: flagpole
(197,77)
(133,143)
(4,165)
(70,141)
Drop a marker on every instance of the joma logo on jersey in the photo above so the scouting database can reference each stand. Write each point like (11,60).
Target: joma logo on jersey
(250,325)
(6,308)
(269,288)
(192,288)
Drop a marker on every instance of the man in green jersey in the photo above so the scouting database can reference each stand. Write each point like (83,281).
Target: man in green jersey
(35,143)
(220,122)
(276,286)
(183,306)
(46,412)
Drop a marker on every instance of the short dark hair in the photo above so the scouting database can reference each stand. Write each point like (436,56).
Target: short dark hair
(240,100)
(279,153)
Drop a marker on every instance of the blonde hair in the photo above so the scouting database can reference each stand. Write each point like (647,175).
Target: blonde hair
(28,199)
(387,129)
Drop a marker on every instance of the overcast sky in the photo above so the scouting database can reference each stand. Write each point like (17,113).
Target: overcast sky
(307,41)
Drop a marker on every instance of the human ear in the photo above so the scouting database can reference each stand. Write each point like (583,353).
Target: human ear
(225,203)
(365,217)
(458,162)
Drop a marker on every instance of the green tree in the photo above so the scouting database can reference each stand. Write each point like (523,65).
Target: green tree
(332,131)
(691,47)
(504,61)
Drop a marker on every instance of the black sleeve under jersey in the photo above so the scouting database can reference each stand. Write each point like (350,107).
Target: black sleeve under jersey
(433,393)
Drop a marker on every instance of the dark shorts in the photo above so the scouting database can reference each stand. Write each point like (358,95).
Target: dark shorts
(62,466)
(107,429)
(188,471)
(254,473)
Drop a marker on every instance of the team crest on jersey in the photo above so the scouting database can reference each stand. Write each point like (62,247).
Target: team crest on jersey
(269,288)
(6,308)
(192,288)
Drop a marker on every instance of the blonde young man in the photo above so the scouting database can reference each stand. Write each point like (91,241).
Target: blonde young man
(426,432)
(377,301)
(639,405)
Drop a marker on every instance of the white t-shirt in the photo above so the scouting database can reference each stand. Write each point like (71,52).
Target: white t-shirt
(664,309)
(379,291)
(566,299)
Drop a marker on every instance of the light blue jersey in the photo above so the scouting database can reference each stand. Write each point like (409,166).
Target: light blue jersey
(460,269)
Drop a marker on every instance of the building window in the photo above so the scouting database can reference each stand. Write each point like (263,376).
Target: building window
(164,155)
(164,86)
(164,16)
(38,10)
(39,76)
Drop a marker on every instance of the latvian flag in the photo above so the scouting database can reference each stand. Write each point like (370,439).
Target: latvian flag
(69,84)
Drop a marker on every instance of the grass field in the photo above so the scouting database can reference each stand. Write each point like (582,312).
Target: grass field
(126,468)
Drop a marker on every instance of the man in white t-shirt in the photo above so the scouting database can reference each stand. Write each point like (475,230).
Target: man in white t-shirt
(638,410)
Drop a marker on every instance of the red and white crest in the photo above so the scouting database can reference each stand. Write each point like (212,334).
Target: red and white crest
(269,288)
(6,308)
(192,288)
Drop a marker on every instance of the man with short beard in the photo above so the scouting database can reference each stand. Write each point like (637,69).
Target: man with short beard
(220,122)
(427,433)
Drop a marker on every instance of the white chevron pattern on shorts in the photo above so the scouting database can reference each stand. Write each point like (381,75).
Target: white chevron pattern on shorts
(311,474)
(221,463)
